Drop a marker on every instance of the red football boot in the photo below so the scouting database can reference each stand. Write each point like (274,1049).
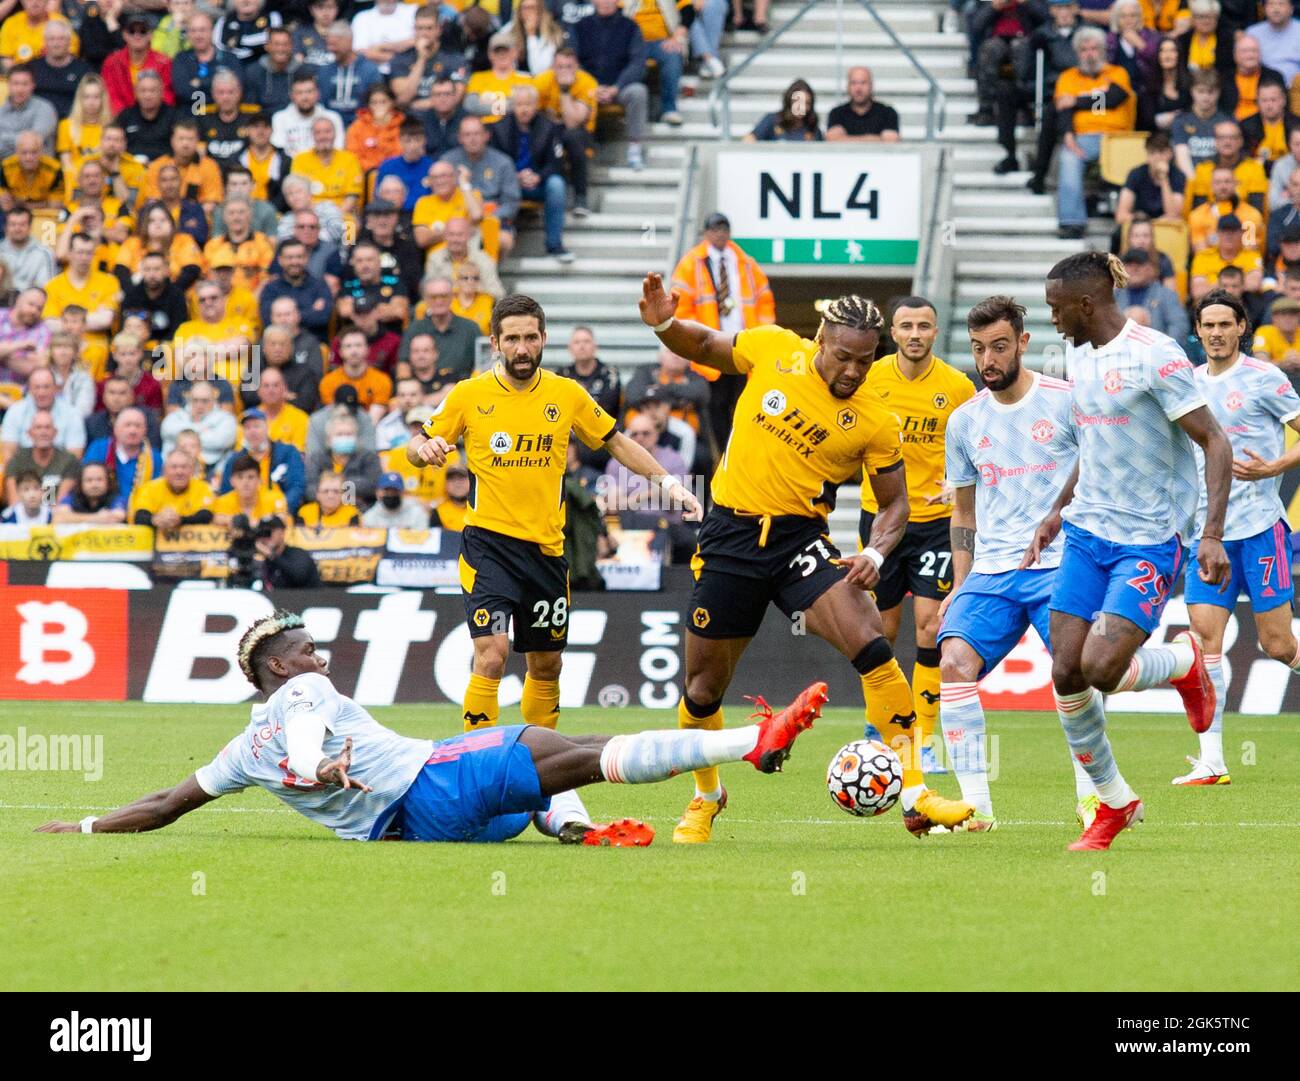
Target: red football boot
(1108,825)
(625,833)
(1196,688)
(777,732)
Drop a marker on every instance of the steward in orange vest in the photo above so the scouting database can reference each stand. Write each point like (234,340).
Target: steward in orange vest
(694,281)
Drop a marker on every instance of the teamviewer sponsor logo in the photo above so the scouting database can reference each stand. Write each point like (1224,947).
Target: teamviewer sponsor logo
(116,1035)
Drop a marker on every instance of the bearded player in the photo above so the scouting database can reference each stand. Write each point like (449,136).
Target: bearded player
(1255,403)
(804,424)
(516,421)
(1126,508)
(327,758)
(922,391)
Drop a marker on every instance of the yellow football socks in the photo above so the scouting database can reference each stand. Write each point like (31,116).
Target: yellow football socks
(925,696)
(481,702)
(541,701)
(707,783)
(890,710)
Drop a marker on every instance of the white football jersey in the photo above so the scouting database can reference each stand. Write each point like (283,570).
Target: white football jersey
(1252,400)
(1138,481)
(1018,457)
(389,763)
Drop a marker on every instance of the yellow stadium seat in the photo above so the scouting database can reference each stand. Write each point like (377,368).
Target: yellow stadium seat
(1121,153)
(1172,238)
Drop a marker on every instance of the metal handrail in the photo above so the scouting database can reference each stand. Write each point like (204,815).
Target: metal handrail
(720,95)
(686,204)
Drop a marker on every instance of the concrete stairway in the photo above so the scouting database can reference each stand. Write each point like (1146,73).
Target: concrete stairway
(1005,237)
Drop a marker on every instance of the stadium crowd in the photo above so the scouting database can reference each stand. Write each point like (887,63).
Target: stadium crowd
(1209,198)
(264,239)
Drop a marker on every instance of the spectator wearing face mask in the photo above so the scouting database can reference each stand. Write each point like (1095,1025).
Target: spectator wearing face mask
(355,467)
(394,509)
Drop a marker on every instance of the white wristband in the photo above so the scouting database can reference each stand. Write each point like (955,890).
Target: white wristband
(87,823)
(874,556)
(668,482)
(665,324)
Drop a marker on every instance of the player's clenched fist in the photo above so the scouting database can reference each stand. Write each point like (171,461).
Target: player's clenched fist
(1215,569)
(434,451)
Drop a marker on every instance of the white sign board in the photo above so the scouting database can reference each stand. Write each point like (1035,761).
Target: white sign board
(822,205)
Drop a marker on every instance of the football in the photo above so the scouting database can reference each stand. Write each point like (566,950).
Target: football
(865,778)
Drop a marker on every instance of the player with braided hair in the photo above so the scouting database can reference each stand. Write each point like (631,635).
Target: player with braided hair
(805,423)
(326,757)
(1127,510)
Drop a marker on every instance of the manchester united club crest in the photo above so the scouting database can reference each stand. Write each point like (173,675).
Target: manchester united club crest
(1112,382)
(1042,431)
(1234,401)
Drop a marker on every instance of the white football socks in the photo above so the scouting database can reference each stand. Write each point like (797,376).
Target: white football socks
(658,755)
(962,716)
(566,807)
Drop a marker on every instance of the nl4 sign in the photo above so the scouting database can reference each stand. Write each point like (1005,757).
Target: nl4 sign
(824,206)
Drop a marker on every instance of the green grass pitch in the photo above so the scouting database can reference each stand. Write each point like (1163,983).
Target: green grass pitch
(245,895)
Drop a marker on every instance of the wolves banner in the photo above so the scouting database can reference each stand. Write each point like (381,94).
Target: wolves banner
(81,542)
(192,551)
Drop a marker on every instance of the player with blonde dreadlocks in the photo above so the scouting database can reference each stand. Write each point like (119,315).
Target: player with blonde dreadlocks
(805,423)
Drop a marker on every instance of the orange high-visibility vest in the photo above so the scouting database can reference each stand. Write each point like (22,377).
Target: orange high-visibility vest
(693,279)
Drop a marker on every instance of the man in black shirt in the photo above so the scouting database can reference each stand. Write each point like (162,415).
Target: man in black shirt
(223,127)
(601,382)
(243,30)
(156,298)
(399,256)
(148,123)
(58,72)
(279,566)
(860,119)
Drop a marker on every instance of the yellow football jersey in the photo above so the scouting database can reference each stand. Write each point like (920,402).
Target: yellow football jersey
(334,182)
(793,442)
(309,514)
(451,516)
(154,495)
(22,41)
(1271,342)
(100,291)
(923,406)
(495,92)
(516,442)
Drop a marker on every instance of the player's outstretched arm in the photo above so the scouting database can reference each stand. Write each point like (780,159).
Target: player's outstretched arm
(1204,430)
(1050,526)
(961,530)
(641,462)
(694,341)
(151,812)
